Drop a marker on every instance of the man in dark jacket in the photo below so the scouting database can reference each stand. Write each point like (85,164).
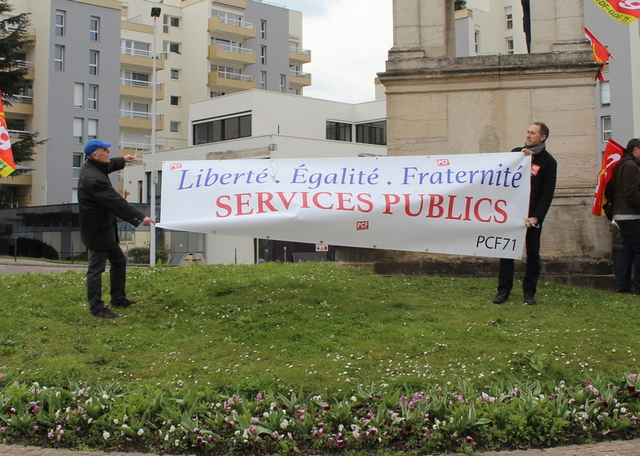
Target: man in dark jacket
(100,206)
(626,214)
(543,185)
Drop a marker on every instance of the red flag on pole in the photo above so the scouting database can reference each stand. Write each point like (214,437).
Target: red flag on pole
(625,11)
(7,165)
(612,155)
(600,52)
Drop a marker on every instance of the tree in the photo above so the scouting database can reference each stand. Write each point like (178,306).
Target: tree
(460,4)
(13,72)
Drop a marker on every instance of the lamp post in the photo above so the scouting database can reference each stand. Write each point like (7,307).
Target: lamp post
(155,14)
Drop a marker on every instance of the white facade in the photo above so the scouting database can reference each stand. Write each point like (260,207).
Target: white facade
(282,126)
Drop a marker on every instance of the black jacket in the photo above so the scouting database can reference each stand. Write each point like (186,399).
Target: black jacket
(100,205)
(626,178)
(544,170)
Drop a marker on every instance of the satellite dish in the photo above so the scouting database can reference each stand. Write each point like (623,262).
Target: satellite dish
(192,259)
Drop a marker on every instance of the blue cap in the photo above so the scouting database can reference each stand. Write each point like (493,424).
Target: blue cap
(94,145)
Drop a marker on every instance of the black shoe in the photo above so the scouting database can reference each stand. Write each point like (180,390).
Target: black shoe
(106,313)
(125,303)
(529,300)
(500,297)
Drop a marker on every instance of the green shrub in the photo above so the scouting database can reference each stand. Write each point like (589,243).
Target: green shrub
(140,255)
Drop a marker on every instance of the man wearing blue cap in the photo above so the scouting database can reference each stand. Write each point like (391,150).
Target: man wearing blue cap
(100,206)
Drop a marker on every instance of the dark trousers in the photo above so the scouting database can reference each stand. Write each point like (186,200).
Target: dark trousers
(117,275)
(532,272)
(629,256)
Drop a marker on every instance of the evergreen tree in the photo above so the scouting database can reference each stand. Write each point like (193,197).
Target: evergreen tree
(13,44)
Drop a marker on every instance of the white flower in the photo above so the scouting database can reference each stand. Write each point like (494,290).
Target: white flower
(140,431)
(105,435)
(284,424)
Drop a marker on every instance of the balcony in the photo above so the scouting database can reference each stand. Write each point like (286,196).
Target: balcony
(299,79)
(299,56)
(140,89)
(238,3)
(230,81)
(19,134)
(21,180)
(141,59)
(20,104)
(231,55)
(31,74)
(138,120)
(230,28)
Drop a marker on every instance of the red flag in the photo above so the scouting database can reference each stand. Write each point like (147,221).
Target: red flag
(600,52)
(625,11)
(612,155)
(7,165)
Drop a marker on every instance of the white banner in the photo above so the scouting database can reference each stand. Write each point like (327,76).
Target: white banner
(454,204)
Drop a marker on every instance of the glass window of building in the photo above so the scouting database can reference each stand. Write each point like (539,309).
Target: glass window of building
(61,19)
(94,61)
(78,95)
(222,129)
(94,28)
(372,133)
(606,128)
(78,127)
(93,97)
(58,58)
(339,131)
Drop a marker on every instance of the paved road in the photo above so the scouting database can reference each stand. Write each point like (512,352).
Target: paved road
(25,265)
(618,448)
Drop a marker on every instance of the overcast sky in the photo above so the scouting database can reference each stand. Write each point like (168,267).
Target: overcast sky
(349,41)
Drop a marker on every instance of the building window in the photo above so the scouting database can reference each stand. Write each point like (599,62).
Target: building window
(508,13)
(94,28)
(372,133)
(263,29)
(476,41)
(606,128)
(510,46)
(78,128)
(137,48)
(263,80)
(174,126)
(263,55)
(58,58)
(77,164)
(92,129)
(169,46)
(93,97)
(339,131)
(214,94)
(283,83)
(175,101)
(61,19)
(605,93)
(175,73)
(94,60)
(78,95)
(222,130)
(169,21)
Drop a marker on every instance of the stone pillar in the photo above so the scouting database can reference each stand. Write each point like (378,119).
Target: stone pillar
(424,28)
(557,26)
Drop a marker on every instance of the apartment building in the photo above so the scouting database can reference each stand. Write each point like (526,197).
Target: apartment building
(496,27)
(92,75)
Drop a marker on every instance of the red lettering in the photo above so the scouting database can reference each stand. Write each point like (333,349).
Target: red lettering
(366,202)
(305,200)
(407,205)
(467,208)
(452,199)
(264,199)
(500,211)
(221,205)
(240,203)
(285,201)
(476,210)
(316,200)
(435,202)
(388,201)
(342,199)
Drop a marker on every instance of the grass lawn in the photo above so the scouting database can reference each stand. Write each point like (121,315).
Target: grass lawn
(311,327)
